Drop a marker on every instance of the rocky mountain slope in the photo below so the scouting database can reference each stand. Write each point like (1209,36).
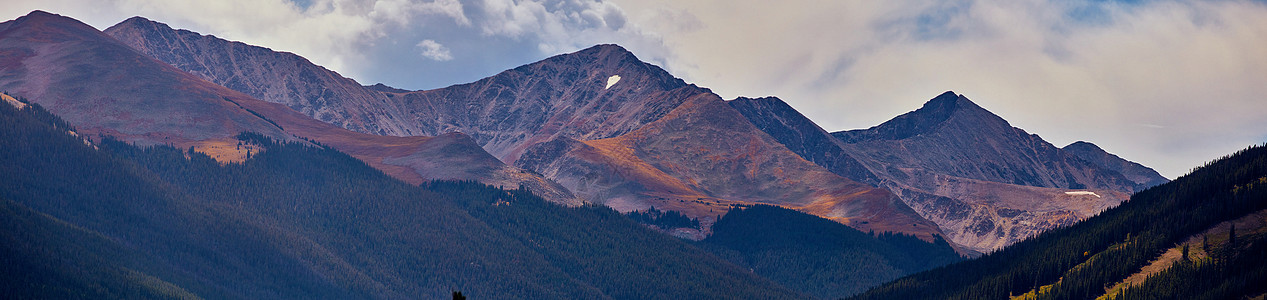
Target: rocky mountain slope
(983,181)
(705,152)
(986,184)
(952,135)
(596,93)
(573,112)
(802,136)
(1092,258)
(1141,175)
(102,86)
(277,77)
(61,64)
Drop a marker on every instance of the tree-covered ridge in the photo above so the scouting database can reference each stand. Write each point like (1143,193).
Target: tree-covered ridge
(663,219)
(819,256)
(1233,267)
(1081,260)
(302,221)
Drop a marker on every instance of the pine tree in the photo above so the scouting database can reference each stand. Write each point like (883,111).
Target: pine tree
(1231,236)
(1205,244)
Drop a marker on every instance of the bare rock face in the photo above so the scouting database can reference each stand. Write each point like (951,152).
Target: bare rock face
(267,75)
(985,183)
(985,216)
(596,93)
(600,92)
(1143,177)
(702,158)
(102,86)
(952,135)
(802,136)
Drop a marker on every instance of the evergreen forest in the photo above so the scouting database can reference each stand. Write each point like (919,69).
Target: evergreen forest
(1082,260)
(110,220)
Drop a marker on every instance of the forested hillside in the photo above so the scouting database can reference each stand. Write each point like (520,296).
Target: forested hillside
(107,219)
(1081,261)
(820,257)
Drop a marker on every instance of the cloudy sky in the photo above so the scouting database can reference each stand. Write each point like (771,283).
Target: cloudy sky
(1168,83)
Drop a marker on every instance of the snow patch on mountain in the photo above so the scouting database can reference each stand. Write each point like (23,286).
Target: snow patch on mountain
(612,80)
(1083,193)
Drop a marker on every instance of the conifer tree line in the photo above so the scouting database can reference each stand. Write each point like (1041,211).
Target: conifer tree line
(1079,261)
(663,219)
(303,221)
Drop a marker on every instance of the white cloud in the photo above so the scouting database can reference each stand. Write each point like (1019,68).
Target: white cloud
(363,38)
(1066,70)
(435,51)
(556,25)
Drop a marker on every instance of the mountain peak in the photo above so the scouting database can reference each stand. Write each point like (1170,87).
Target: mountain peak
(927,118)
(137,19)
(1144,177)
(39,14)
(1083,145)
(604,60)
(946,96)
(43,17)
(608,50)
(49,21)
(139,22)
(941,107)
(385,88)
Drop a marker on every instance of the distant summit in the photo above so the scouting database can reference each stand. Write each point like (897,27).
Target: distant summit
(386,89)
(954,136)
(986,183)
(1145,177)
(109,88)
(926,119)
(277,77)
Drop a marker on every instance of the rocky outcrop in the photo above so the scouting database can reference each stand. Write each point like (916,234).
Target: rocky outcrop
(984,182)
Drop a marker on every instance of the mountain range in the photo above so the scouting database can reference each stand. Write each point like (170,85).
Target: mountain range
(105,87)
(599,125)
(583,120)
(759,186)
(985,183)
